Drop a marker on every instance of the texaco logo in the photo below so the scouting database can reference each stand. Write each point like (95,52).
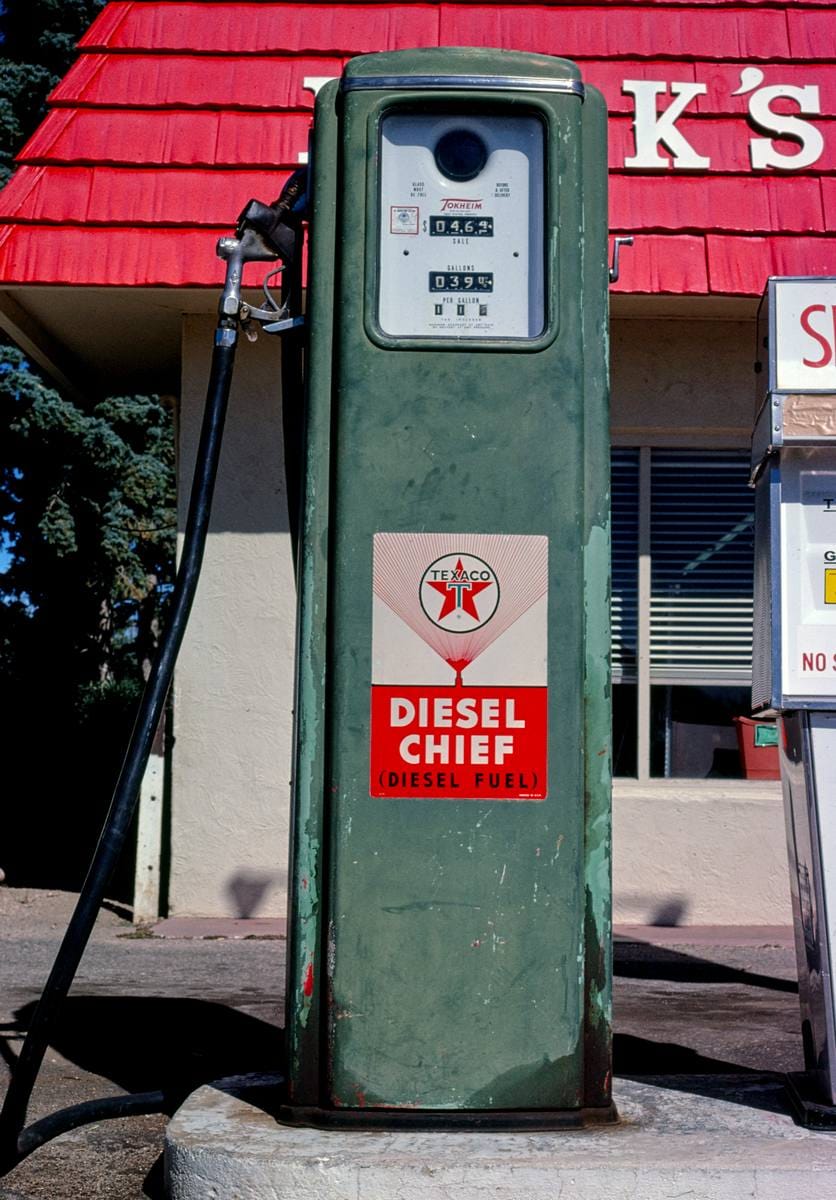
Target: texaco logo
(459,592)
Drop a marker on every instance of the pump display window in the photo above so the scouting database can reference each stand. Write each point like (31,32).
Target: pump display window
(682,531)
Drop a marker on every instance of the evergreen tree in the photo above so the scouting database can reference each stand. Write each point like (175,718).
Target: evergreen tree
(87,539)
(88,516)
(38,39)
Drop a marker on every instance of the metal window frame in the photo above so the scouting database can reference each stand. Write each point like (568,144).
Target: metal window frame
(644,679)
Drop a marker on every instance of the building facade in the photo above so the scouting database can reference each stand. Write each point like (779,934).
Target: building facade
(722,169)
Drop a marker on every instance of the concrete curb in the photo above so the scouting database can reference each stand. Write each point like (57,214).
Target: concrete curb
(706,935)
(657,935)
(220,927)
(709,1137)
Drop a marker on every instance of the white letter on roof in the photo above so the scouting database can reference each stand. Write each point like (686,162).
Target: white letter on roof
(314,83)
(763,150)
(652,127)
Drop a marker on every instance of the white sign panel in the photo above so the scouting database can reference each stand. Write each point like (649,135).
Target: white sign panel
(808,578)
(459,697)
(805,335)
(461,226)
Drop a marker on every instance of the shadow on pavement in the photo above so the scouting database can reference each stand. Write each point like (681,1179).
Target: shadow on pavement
(153,1185)
(678,967)
(146,1043)
(680,1069)
(635,1057)
(175,1044)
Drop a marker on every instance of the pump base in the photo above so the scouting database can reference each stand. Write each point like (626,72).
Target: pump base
(490,1120)
(808,1109)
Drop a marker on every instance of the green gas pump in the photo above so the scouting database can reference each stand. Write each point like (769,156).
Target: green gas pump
(449,937)
(449,933)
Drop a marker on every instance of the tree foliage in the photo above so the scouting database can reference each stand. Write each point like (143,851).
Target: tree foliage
(86,491)
(88,517)
(38,42)
(87,539)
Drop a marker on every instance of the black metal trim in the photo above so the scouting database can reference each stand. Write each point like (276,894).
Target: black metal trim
(808,1108)
(449,1120)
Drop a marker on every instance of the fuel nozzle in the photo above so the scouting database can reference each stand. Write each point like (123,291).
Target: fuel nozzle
(263,233)
(278,224)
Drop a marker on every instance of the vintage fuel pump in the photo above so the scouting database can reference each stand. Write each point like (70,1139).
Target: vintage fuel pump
(794,652)
(450,921)
(450,936)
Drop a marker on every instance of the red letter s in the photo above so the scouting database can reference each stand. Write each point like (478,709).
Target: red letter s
(827,352)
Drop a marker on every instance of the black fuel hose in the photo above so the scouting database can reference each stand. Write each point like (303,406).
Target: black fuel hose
(15,1141)
(108,1108)
(293,343)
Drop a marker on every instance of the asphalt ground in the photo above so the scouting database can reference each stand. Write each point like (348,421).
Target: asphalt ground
(149,1012)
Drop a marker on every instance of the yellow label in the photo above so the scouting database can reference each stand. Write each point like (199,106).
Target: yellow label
(830,585)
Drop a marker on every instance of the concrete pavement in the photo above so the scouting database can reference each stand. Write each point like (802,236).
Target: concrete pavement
(719,1137)
(179,1011)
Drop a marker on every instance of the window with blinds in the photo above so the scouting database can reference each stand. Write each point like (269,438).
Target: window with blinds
(625,563)
(701,516)
(701,553)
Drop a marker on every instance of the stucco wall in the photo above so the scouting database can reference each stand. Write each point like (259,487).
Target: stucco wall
(682,381)
(234,682)
(696,852)
(699,854)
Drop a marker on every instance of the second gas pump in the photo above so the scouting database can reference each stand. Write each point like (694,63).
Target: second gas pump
(794,649)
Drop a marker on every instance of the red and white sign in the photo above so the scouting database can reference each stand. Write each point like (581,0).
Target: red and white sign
(459,666)
(805,334)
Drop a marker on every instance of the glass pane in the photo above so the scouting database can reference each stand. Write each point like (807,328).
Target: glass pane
(692,732)
(625,562)
(624,730)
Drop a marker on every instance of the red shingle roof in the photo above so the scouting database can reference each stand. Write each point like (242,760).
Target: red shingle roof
(176,113)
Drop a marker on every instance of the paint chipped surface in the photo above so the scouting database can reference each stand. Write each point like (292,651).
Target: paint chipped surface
(411,891)
(308,904)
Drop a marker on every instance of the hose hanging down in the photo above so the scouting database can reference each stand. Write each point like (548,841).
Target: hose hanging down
(15,1141)
(263,234)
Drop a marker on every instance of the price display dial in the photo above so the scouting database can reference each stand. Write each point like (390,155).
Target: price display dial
(462,214)
(449,226)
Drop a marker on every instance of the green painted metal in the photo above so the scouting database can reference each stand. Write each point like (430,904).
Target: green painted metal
(306,870)
(451,954)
